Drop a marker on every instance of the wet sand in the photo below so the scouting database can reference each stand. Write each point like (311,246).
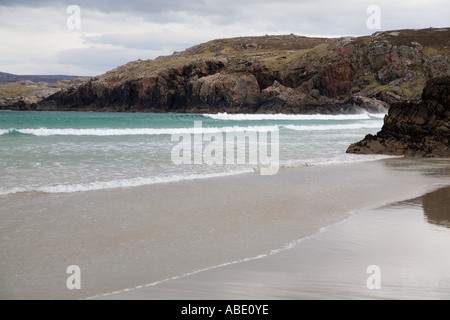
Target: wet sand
(129,238)
(408,243)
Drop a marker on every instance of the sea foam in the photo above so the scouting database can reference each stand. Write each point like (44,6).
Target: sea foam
(354,126)
(146,181)
(45,132)
(287,117)
(124,183)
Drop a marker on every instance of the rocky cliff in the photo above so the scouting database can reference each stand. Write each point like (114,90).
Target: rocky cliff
(416,129)
(271,74)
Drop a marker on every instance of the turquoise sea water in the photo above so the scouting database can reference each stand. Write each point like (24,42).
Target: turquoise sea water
(60,152)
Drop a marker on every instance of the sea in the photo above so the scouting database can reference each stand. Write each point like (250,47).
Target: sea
(65,152)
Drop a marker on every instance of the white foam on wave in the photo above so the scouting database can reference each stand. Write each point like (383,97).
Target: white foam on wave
(125,183)
(3,131)
(353,126)
(45,132)
(344,159)
(256,117)
(145,181)
(377,116)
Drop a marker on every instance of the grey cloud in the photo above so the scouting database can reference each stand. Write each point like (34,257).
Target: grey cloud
(142,41)
(199,21)
(313,16)
(143,6)
(100,60)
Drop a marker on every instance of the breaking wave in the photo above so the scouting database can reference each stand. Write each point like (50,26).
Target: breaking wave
(125,183)
(287,117)
(353,126)
(45,132)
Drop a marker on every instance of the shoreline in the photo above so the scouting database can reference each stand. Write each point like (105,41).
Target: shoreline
(335,264)
(124,238)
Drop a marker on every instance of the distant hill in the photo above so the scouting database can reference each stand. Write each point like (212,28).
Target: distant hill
(6,78)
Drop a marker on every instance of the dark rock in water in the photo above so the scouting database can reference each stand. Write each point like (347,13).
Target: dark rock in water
(414,129)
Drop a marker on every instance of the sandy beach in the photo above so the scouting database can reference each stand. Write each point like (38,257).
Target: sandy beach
(410,251)
(407,241)
(124,244)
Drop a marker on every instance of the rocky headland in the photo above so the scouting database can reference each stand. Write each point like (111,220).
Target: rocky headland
(414,129)
(268,74)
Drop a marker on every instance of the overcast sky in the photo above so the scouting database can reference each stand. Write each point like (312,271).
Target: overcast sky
(35,37)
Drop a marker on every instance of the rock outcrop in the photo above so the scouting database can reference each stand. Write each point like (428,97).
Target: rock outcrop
(414,129)
(271,74)
(25,94)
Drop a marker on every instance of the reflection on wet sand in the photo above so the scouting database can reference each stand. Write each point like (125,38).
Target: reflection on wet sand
(412,257)
(436,206)
(430,167)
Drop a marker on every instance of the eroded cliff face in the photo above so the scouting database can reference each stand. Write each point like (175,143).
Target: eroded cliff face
(271,74)
(414,129)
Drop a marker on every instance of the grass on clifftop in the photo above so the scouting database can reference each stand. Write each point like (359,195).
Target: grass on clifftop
(280,62)
(278,53)
(275,51)
(12,90)
(413,88)
(24,89)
